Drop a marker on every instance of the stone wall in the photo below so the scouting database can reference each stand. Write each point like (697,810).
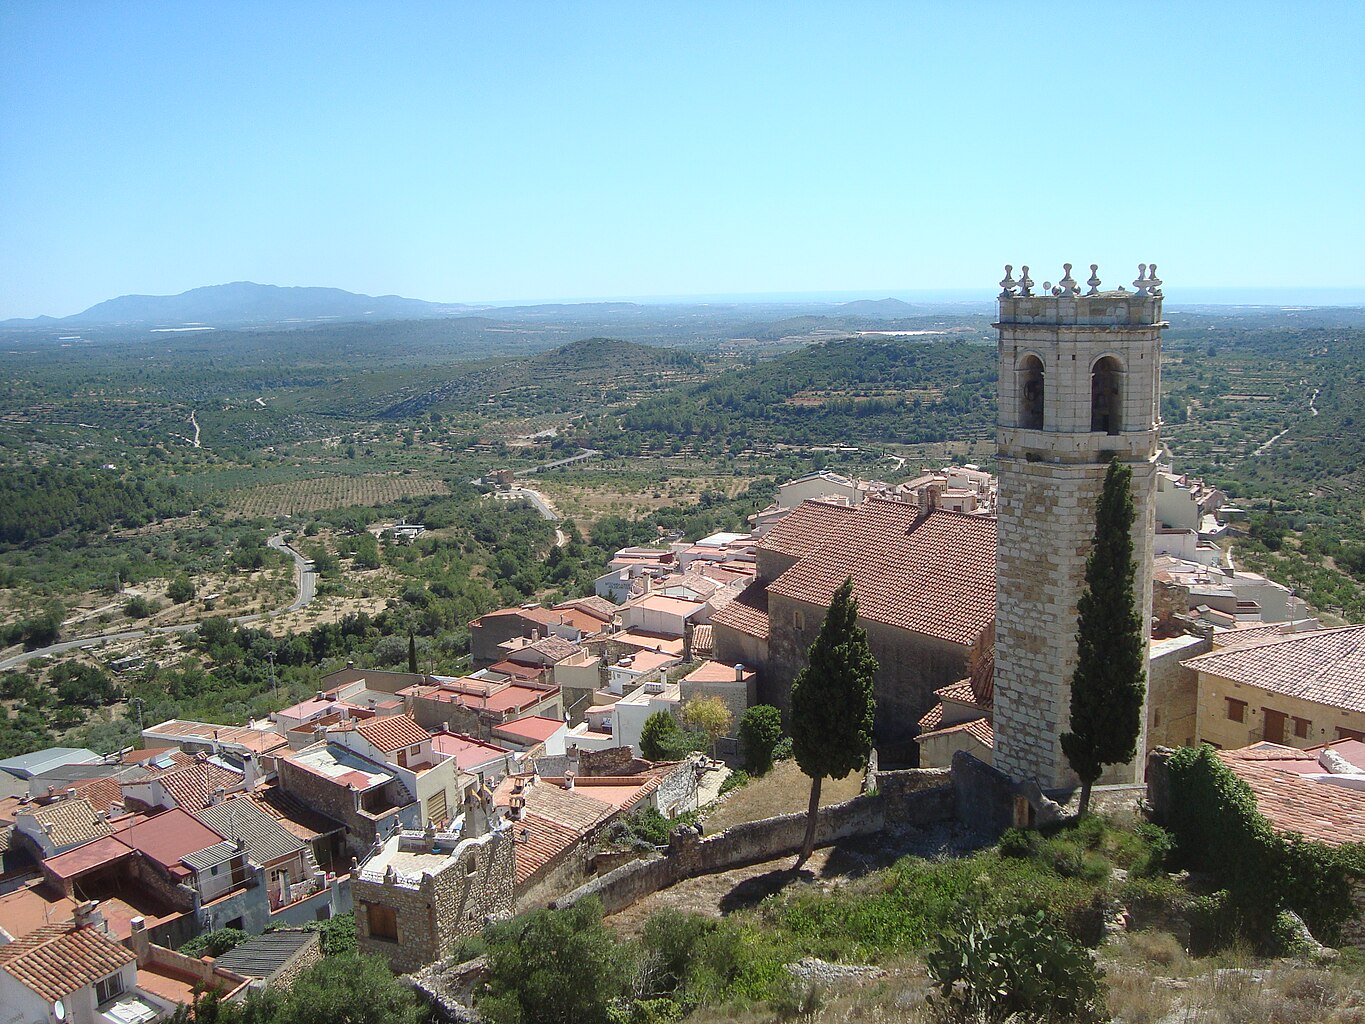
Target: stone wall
(910,667)
(736,648)
(1173,691)
(983,796)
(909,800)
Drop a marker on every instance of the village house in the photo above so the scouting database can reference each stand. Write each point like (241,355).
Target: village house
(366,796)
(76,972)
(1299,689)
(290,869)
(202,737)
(533,735)
(404,747)
(477,758)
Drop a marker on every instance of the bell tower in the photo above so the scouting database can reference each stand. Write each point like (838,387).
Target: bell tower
(1079,386)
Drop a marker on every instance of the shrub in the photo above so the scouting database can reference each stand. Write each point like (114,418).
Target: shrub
(782,750)
(180,590)
(734,780)
(139,608)
(1020,966)
(1017,842)
(760,730)
(214,943)
(1159,844)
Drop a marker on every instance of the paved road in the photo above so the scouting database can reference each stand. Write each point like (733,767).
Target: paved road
(543,506)
(305,583)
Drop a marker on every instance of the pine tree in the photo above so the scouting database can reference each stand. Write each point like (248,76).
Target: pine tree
(833,704)
(1110,678)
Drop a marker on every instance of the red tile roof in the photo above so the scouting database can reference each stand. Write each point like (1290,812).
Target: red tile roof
(70,821)
(86,858)
(978,728)
(933,575)
(1326,666)
(194,787)
(393,732)
(716,672)
(468,752)
(60,959)
(1324,811)
(747,613)
(803,530)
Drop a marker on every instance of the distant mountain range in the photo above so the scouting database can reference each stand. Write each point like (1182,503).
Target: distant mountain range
(244,302)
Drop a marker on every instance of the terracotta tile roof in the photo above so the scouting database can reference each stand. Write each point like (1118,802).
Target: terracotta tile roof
(60,959)
(293,816)
(747,613)
(960,692)
(393,732)
(716,672)
(553,647)
(194,787)
(99,793)
(545,841)
(70,821)
(703,637)
(804,529)
(978,728)
(932,719)
(1329,813)
(1326,666)
(598,607)
(933,575)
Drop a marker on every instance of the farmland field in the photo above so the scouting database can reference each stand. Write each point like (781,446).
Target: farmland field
(318,493)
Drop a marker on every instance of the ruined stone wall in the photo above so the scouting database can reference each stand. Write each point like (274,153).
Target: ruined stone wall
(432,916)
(1353,931)
(908,802)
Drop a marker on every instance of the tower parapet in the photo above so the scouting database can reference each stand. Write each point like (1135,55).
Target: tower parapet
(1079,386)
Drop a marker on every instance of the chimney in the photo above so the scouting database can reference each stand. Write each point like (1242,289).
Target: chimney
(219,795)
(71,794)
(140,940)
(350,663)
(250,773)
(535,636)
(739,673)
(568,779)
(319,695)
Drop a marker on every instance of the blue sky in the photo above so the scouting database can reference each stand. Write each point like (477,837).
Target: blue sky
(485,152)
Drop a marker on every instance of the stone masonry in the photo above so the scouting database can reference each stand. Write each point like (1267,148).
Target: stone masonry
(1079,385)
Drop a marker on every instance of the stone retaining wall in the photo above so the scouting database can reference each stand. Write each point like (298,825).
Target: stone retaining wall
(903,799)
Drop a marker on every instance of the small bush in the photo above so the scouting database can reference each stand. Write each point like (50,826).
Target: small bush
(214,943)
(1159,843)
(782,750)
(734,780)
(760,730)
(1018,842)
(1020,966)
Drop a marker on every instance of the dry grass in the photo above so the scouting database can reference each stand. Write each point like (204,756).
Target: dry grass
(784,790)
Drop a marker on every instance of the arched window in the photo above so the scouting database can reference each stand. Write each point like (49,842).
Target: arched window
(1030,387)
(1106,396)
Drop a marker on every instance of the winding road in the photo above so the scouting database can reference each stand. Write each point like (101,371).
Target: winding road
(542,505)
(305,585)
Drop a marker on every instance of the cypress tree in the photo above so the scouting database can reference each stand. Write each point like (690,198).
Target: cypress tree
(1110,679)
(412,652)
(833,704)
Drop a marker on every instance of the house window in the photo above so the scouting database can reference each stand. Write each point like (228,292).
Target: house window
(1274,725)
(108,988)
(798,618)
(1301,728)
(213,870)
(383,921)
(1237,710)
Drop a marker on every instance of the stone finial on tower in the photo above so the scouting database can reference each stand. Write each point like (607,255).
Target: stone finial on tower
(1141,283)
(1068,284)
(1094,281)
(1007,286)
(1025,283)
(1153,282)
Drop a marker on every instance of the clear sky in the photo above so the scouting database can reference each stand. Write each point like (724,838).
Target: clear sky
(537,151)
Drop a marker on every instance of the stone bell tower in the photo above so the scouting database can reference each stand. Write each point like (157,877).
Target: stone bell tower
(1080,385)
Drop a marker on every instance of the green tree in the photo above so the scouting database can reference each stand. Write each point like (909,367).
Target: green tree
(760,728)
(554,967)
(180,590)
(1108,684)
(412,652)
(710,715)
(658,736)
(833,704)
